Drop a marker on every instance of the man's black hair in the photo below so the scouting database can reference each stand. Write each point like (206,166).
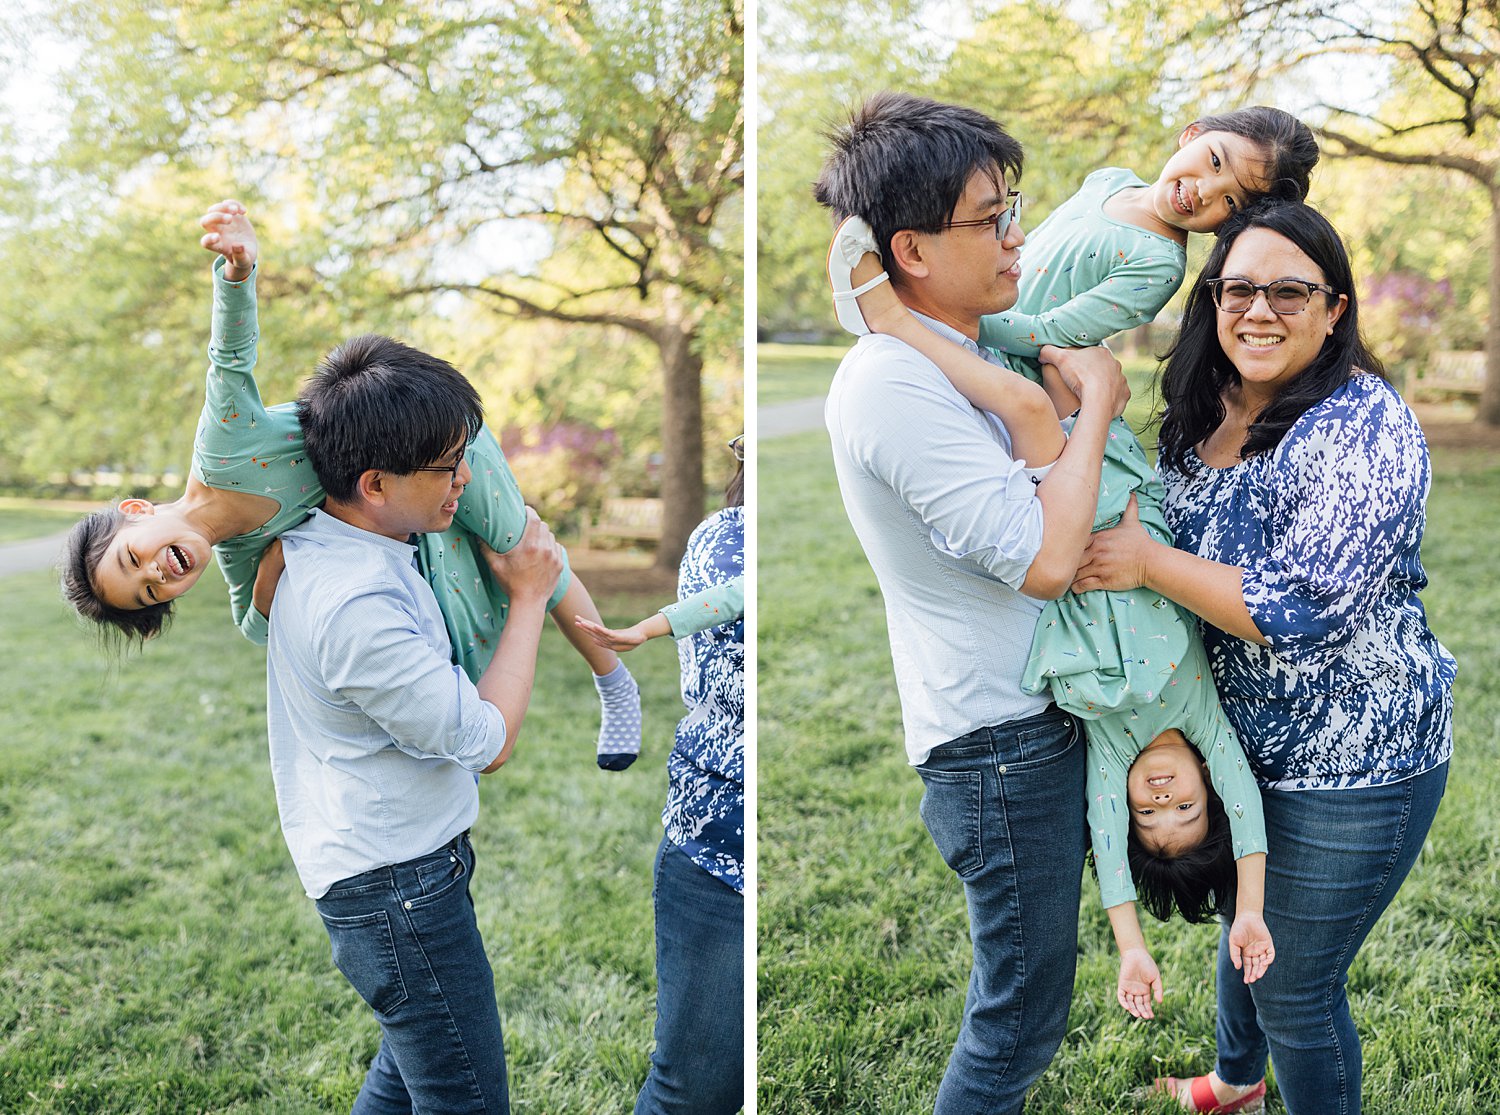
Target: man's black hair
(375,403)
(903,162)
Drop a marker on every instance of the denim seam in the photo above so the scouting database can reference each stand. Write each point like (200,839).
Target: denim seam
(454,1030)
(1341,966)
(1015,1040)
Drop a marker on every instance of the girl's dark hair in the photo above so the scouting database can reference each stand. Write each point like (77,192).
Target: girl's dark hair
(377,403)
(903,162)
(1196,373)
(1291,151)
(1199,883)
(734,495)
(84,549)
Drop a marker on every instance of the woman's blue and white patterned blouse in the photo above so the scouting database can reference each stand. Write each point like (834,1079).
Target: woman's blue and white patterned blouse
(1354,690)
(705,811)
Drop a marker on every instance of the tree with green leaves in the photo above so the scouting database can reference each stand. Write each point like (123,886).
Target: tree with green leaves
(1405,83)
(574,162)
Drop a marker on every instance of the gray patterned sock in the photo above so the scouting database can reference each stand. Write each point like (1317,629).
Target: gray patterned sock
(620,720)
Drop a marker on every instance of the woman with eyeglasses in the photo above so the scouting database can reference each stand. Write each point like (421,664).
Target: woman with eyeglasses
(123,567)
(1296,482)
(699,877)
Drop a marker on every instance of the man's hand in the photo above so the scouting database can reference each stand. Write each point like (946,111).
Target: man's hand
(530,568)
(1092,374)
(1250,947)
(1139,982)
(230,234)
(267,577)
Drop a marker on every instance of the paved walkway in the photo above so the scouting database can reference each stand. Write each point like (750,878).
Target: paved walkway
(33,554)
(797,417)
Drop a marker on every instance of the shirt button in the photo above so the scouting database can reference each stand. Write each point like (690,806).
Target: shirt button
(407,905)
(1002,768)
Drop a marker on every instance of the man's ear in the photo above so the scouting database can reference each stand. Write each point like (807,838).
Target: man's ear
(136,506)
(906,253)
(372,486)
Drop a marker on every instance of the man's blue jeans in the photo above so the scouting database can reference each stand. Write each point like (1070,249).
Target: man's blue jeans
(406,938)
(699,1063)
(1335,860)
(1005,807)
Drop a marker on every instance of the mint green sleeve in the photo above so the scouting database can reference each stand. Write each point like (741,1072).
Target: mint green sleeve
(492,507)
(717,604)
(1109,819)
(1233,781)
(232,410)
(1133,293)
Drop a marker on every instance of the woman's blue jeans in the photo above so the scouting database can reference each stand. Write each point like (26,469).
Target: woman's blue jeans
(1336,859)
(1005,807)
(406,938)
(698,1067)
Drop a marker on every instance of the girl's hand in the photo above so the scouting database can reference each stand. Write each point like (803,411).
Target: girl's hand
(231,235)
(1116,558)
(1250,947)
(611,639)
(1139,983)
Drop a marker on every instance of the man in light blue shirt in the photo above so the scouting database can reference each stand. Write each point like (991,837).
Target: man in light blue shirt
(966,541)
(376,737)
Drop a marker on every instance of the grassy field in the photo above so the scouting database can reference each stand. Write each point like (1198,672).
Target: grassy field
(863,934)
(157,953)
(20,520)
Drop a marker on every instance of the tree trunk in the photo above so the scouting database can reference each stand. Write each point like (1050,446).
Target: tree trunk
(1489,397)
(681,442)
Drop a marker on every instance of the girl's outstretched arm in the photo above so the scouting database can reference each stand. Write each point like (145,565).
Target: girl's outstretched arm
(1140,980)
(622,639)
(716,605)
(1251,949)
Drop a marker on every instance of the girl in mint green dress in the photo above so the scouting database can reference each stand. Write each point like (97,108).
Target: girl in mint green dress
(251,480)
(1170,794)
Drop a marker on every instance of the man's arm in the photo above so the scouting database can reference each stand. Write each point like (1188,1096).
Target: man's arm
(528,572)
(920,437)
(1070,491)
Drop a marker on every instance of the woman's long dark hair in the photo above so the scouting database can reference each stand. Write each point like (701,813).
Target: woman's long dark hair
(1196,373)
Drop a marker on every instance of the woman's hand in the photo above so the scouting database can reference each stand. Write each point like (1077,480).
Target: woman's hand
(231,235)
(1250,947)
(1139,983)
(267,577)
(1116,558)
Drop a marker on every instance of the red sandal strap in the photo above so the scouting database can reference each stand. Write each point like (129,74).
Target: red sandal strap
(1202,1094)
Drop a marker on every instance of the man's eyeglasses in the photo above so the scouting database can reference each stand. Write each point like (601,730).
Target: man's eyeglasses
(737,446)
(1284,296)
(1000,220)
(451,470)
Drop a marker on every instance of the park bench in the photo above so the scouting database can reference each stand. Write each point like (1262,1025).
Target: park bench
(626,519)
(1451,373)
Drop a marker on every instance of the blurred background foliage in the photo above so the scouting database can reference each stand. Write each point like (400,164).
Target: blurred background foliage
(548,194)
(1400,93)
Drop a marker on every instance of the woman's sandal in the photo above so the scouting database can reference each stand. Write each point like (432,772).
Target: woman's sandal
(1201,1092)
(851,241)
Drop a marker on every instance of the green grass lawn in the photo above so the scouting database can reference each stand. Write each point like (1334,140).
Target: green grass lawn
(157,953)
(864,954)
(784,373)
(20,520)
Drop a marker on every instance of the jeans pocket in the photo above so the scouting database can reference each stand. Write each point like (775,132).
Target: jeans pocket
(437,878)
(952,810)
(364,950)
